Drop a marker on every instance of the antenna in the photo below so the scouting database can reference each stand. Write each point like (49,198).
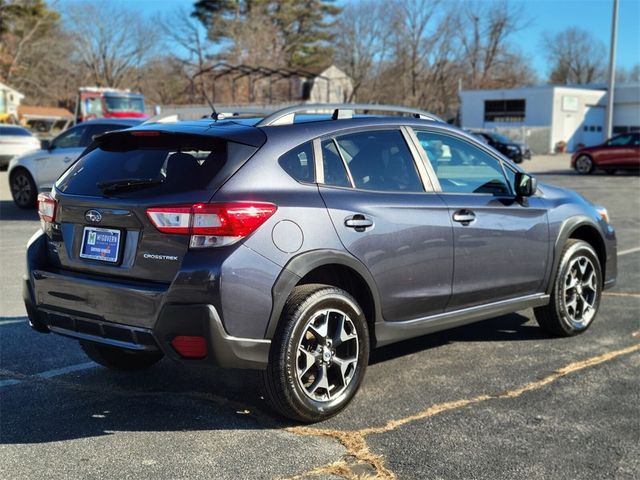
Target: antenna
(214,113)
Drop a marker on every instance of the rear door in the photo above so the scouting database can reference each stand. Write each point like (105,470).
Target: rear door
(501,244)
(389,218)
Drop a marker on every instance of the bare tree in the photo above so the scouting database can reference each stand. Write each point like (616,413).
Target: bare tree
(483,31)
(111,41)
(362,40)
(575,56)
(34,51)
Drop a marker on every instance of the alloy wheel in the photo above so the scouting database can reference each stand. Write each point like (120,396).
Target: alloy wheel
(580,292)
(584,164)
(327,355)
(21,189)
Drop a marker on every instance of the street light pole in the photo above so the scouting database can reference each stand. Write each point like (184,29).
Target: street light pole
(612,69)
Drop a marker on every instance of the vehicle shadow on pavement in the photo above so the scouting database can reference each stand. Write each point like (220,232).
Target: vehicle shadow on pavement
(507,328)
(9,211)
(171,397)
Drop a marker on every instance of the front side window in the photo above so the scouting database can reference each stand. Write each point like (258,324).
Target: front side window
(621,140)
(70,139)
(462,167)
(379,160)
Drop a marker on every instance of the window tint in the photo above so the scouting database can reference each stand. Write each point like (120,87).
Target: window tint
(621,140)
(380,160)
(174,163)
(70,139)
(334,172)
(462,167)
(299,163)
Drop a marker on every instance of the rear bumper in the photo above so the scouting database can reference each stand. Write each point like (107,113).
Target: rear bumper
(129,316)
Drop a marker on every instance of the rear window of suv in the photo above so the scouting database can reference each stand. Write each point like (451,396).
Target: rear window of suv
(133,167)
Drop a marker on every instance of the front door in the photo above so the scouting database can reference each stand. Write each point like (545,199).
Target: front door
(501,244)
(619,151)
(384,217)
(66,148)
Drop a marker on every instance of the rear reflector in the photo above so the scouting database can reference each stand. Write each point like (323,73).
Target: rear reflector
(190,347)
(212,224)
(46,207)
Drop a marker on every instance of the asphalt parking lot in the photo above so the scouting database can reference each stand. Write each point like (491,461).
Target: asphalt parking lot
(494,400)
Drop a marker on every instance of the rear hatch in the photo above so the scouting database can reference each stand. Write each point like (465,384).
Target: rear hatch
(101,224)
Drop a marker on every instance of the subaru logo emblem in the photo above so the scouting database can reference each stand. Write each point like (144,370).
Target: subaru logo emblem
(93,216)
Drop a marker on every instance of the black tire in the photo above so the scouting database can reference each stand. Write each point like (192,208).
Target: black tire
(584,165)
(119,358)
(283,385)
(556,318)
(23,188)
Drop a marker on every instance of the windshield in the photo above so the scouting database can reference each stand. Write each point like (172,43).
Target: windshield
(124,103)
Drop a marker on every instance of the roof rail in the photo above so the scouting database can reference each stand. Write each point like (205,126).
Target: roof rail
(286,116)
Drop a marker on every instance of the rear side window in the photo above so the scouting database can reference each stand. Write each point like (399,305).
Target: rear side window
(15,131)
(335,173)
(154,166)
(380,160)
(299,163)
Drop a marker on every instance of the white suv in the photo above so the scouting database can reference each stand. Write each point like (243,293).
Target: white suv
(37,171)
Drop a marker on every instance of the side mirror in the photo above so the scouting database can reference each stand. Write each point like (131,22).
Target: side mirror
(46,145)
(526,185)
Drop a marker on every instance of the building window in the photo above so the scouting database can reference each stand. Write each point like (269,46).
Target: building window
(504,110)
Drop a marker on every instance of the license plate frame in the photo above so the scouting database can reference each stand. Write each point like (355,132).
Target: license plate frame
(113,254)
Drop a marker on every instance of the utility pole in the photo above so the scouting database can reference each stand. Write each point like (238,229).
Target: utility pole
(612,69)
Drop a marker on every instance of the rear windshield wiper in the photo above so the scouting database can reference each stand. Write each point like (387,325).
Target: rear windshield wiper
(127,184)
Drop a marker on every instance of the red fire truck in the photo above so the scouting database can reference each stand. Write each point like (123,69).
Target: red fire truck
(98,102)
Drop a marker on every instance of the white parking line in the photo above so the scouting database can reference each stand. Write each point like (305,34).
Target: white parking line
(51,373)
(628,251)
(10,320)
(64,370)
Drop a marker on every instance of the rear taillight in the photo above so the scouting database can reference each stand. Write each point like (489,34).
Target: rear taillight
(46,207)
(212,224)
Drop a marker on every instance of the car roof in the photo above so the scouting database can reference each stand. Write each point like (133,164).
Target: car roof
(13,127)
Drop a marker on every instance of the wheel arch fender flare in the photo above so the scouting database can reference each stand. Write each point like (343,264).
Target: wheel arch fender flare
(568,227)
(304,263)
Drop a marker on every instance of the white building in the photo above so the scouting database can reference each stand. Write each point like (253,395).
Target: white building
(546,115)
(329,85)
(9,101)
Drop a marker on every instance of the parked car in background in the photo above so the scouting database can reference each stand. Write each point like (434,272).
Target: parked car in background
(621,152)
(37,171)
(510,149)
(295,244)
(15,140)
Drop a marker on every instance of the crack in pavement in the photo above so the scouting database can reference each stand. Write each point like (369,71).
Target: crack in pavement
(355,442)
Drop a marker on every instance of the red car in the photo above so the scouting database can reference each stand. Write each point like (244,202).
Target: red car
(621,152)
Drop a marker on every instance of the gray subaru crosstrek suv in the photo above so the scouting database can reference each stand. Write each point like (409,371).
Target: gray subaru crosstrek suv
(296,243)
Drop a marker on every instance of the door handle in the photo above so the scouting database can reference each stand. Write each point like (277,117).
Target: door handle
(465,217)
(359,222)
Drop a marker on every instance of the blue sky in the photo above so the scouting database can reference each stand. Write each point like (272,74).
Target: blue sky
(542,15)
